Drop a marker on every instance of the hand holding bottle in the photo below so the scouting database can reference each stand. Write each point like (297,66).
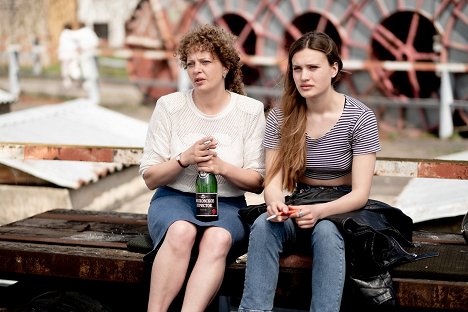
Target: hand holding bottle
(201,151)
(210,163)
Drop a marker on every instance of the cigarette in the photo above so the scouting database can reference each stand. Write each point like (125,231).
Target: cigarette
(290,212)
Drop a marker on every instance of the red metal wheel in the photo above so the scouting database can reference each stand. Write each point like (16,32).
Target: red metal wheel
(146,35)
(421,33)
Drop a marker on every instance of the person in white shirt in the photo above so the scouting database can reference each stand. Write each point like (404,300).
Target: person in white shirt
(211,127)
(88,42)
(68,56)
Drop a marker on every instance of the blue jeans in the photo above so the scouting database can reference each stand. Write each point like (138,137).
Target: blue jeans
(265,245)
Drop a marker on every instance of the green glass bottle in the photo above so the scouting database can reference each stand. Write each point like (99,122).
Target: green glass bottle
(206,196)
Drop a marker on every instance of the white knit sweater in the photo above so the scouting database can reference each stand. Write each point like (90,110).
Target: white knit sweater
(177,123)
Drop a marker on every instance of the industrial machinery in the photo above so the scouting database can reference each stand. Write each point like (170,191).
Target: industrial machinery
(395,51)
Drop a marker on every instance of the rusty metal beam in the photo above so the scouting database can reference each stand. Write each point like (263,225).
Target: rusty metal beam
(25,151)
(385,166)
(422,168)
(431,294)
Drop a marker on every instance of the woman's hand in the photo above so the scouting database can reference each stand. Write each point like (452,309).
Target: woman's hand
(200,152)
(307,216)
(277,211)
(206,156)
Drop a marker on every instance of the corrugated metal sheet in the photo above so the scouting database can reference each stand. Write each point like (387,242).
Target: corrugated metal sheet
(74,122)
(427,199)
(6,98)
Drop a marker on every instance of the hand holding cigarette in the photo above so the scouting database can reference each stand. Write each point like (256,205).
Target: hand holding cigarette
(290,212)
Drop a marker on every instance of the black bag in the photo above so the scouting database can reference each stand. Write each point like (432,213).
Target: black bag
(250,213)
(312,196)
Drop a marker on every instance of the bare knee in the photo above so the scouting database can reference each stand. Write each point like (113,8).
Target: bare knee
(216,242)
(180,236)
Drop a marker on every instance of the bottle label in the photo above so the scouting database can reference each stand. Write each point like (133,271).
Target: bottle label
(207,204)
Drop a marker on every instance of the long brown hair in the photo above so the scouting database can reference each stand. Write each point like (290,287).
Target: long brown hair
(221,44)
(292,150)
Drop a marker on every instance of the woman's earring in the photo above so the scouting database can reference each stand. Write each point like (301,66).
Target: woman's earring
(224,75)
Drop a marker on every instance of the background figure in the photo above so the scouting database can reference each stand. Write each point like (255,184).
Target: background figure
(88,42)
(211,127)
(68,55)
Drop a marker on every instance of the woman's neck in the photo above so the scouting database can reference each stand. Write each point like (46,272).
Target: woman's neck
(211,103)
(325,103)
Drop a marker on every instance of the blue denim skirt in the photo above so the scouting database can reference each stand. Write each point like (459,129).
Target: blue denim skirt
(169,205)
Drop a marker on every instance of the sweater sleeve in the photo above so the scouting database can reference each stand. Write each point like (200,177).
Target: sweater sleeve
(157,145)
(254,156)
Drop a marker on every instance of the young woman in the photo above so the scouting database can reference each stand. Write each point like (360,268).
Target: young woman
(317,139)
(214,128)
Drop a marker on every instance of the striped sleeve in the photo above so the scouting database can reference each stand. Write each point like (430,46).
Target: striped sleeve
(272,130)
(365,138)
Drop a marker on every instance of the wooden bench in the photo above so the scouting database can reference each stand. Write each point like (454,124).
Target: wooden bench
(87,251)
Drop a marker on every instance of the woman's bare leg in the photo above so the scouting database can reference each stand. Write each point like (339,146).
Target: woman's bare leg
(170,265)
(208,272)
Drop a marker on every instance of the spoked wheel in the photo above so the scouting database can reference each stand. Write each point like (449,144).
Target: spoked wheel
(143,36)
(421,33)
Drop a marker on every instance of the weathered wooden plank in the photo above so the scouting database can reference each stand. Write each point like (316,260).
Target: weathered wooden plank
(94,216)
(100,264)
(65,228)
(77,228)
(65,243)
(87,239)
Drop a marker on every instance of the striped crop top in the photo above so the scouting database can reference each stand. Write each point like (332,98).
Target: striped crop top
(331,155)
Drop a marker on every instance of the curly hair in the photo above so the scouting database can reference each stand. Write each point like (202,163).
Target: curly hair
(292,150)
(221,44)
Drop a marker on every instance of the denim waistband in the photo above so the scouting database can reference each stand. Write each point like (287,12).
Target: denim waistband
(302,187)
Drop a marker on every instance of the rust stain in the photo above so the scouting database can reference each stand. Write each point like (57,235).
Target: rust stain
(68,153)
(40,152)
(442,170)
(431,294)
(91,154)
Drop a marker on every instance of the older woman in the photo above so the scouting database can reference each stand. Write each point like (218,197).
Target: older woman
(215,111)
